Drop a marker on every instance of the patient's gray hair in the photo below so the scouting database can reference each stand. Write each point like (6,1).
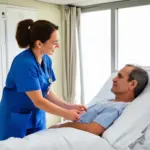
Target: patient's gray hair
(141,76)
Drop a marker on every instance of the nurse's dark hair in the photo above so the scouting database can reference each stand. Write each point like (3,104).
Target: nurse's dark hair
(28,32)
(141,76)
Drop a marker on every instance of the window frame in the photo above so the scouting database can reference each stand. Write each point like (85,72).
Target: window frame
(114,6)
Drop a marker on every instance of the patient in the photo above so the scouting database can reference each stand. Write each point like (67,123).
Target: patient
(127,85)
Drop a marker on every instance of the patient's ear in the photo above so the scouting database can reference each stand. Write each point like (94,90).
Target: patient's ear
(133,84)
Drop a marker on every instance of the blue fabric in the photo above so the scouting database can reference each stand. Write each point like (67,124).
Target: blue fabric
(103,113)
(17,112)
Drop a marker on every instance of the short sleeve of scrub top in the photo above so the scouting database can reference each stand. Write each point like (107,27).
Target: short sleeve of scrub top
(26,77)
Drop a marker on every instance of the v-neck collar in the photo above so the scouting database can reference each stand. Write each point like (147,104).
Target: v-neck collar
(42,70)
(43,65)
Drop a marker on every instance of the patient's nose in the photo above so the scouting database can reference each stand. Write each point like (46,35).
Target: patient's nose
(115,79)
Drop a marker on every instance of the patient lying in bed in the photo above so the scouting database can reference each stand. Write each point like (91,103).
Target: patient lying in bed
(127,85)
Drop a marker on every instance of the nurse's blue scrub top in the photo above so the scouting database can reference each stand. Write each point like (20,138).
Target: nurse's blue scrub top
(17,112)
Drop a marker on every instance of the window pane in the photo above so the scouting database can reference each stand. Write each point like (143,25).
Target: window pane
(96,52)
(134,36)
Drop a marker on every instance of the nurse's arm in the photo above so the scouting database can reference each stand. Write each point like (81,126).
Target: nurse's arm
(42,103)
(51,96)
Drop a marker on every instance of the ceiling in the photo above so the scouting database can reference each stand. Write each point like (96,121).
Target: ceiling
(78,2)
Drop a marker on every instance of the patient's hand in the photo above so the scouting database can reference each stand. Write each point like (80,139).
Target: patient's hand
(81,108)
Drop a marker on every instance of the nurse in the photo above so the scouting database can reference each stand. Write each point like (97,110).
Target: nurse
(27,94)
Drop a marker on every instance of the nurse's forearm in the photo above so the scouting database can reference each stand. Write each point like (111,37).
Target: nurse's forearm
(51,108)
(56,100)
(42,103)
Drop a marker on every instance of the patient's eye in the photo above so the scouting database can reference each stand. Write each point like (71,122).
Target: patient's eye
(120,75)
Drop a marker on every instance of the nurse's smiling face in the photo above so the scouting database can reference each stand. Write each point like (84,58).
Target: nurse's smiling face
(50,45)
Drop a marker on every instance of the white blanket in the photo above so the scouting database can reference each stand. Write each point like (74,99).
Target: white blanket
(143,143)
(57,139)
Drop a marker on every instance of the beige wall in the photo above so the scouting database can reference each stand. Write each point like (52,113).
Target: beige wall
(52,13)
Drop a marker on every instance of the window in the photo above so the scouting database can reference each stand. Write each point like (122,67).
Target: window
(133,36)
(96,51)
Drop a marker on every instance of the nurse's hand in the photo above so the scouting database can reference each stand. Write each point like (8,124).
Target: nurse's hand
(81,108)
(73,115)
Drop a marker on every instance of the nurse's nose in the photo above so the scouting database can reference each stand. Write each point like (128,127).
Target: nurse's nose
(57,45)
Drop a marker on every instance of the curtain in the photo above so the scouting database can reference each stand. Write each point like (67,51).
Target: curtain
(70,26)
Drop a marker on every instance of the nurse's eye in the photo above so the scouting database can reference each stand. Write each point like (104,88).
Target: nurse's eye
(55,43)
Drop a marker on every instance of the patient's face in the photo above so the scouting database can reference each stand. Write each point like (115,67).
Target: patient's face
(121,83)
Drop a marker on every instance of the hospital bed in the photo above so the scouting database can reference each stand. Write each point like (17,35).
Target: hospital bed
(124,134)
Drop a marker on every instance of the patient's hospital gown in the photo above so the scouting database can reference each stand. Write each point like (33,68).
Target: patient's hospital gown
(104,113)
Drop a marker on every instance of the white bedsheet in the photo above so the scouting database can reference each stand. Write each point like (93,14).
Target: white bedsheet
(57,139)
(144,142)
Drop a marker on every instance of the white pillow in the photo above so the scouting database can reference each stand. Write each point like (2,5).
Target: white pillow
(105,92)
(134,119)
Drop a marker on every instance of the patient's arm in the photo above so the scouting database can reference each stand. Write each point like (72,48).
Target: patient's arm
(97,123)
(89,127)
